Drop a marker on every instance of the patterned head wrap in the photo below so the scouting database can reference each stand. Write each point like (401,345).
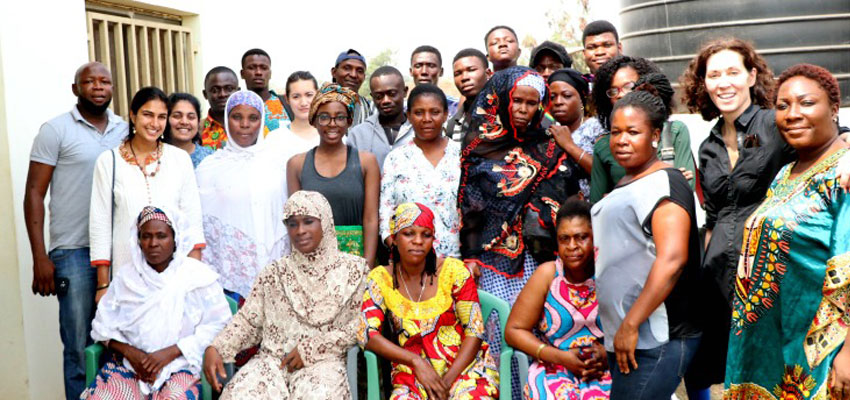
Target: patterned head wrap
(535,82)
(411,214)
(150,213)
(333,92)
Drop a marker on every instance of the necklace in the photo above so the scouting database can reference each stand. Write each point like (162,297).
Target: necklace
(418,299)
(143,168)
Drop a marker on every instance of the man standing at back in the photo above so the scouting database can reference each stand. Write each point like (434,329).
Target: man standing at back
(350,71)
(257,71)
(470,72)
(389,128)
(62,159)
(502,47)
(426,66)
(549,57)
(219,84)
(601,43)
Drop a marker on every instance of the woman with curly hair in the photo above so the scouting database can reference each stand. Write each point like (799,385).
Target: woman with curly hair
(614,79)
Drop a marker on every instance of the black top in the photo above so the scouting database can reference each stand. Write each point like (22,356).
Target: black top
(345,192)
(731,196)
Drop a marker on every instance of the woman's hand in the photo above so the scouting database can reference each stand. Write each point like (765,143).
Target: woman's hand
(136,358)
(844,172)
(433,384)
(570,360)
(156,361)
(98,294)
(625,341)
(563,136)
(687,173)
(214,368)
(839,375)
(597,359)
(292,361)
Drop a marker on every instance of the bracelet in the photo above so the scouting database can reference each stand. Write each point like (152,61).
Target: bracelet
(583,153)
(104,286)
(539,349)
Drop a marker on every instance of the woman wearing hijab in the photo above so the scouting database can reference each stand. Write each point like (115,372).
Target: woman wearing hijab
(243,188)
(302,312)
(431,305)
(349,179)
(514,177)
(158,316)
(568,97)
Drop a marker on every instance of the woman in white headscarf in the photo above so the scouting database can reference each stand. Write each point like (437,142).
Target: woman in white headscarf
(302,312)
(243,189)
(158,316)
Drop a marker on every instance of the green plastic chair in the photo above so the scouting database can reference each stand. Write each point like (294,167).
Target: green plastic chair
(489,303)
(95,352)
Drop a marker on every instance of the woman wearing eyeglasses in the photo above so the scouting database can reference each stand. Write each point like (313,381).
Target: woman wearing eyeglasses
(614,79)
(348,178)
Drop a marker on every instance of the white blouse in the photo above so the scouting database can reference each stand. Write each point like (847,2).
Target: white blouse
(173,187)
(409,177)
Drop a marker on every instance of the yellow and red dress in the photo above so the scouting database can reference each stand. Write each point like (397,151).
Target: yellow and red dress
(434,329)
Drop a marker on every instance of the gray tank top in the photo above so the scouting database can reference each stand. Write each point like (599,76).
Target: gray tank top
(345,192)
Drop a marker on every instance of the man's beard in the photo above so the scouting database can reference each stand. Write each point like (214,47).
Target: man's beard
(92,108)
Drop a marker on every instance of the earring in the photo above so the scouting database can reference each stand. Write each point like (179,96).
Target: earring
(654,144)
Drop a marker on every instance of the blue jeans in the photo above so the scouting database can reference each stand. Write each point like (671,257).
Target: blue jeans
(658,374)
(76,311)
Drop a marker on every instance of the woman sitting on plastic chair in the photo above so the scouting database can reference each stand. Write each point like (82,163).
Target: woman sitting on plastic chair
(559,301)
(302,311)
(436,329)
(158,316)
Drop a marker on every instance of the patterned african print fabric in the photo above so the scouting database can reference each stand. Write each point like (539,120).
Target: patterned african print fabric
(350,239)
(212,134)
(570,320)
(115,382)
(512,184)
(276,115)
(308,302)
(789,313)
(434,329)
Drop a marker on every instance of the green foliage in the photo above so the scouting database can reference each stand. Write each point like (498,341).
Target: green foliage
(385,57)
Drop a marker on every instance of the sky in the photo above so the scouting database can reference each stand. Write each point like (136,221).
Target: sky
(308,35)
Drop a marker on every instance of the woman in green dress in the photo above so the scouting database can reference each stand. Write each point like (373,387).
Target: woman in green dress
(790,310)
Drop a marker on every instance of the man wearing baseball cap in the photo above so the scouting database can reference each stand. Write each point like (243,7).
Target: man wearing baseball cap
(350,71)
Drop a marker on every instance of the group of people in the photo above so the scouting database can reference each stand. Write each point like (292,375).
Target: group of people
(331,220)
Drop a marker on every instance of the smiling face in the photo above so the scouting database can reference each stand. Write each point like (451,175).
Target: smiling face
(388,93)
(427,116)
(414,243)
(804,116)
(256,71)
(156,240)
(425,68)
(575,243)
(149,122)
(470,76)
(631,138)
(183,121)
(599,49)
(728,82)
(525,101)
(243,124)
(564,103)
(350,73)
(305,233)
(300,94)
(336,116)
(502,48)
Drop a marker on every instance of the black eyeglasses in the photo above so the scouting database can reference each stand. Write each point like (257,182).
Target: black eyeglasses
(325,119)
(613,92)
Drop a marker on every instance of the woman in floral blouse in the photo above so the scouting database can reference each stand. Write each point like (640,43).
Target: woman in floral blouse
(426,170)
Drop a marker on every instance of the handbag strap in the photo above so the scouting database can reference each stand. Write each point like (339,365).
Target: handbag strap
(666,150)
(112,214)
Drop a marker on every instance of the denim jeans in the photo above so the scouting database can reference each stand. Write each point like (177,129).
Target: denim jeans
(658,374)
(76,311)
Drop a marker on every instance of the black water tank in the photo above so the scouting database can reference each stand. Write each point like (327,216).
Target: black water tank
(785,32)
